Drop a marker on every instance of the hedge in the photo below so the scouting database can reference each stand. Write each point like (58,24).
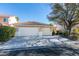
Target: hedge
(64,33)
(6,33)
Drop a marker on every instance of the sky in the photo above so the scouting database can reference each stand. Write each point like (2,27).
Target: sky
(27,11)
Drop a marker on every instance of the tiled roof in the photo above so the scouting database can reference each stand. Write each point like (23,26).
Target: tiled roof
(4,16)
(31,23)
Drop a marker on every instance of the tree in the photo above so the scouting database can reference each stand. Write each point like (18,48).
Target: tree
(66,14)
(17,18)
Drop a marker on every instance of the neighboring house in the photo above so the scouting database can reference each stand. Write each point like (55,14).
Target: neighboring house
(33,28)
(8,20)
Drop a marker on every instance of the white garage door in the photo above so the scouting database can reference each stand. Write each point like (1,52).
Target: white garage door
(46,31)
(25,31)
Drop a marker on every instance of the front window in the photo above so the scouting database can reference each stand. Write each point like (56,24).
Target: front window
(5,20)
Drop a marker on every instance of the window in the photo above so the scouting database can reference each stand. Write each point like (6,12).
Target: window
(5,19)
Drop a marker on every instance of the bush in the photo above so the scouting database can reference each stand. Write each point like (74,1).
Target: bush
(75,34)
(62,33)
(57,33)
(6,33)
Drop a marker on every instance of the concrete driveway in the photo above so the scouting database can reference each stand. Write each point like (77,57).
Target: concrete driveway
(32,41)
(35,45)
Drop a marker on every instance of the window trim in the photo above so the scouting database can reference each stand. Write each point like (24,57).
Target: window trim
(5,19)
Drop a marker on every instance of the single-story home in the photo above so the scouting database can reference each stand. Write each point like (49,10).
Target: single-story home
(33,28)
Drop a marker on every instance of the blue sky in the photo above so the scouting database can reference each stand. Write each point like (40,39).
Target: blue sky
(27,11)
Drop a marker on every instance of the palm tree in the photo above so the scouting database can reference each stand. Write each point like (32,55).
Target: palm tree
(66,14)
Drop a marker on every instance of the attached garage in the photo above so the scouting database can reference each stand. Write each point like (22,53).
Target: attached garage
(46,31)
(25,31)
(33,28)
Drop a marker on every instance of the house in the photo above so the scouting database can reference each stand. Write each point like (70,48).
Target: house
(33,28)
(8,20)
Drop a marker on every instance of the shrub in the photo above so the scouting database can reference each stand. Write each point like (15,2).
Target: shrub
(75,34)
(6,33)
(54,32)
(62,33)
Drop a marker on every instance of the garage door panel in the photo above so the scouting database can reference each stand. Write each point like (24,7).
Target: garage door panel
(27,31)
(46,31)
